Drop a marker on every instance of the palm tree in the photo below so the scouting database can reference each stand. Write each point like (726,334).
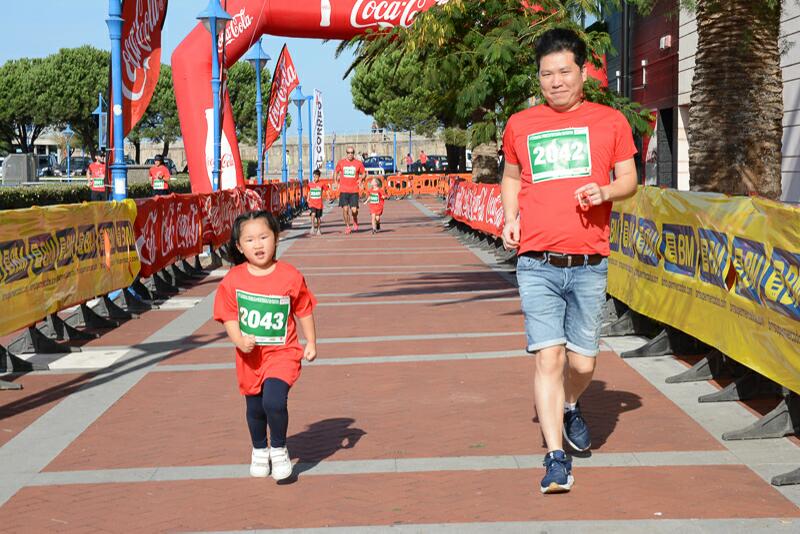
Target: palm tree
(735,120)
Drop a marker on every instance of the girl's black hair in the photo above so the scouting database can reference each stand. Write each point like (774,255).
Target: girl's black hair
(234,254)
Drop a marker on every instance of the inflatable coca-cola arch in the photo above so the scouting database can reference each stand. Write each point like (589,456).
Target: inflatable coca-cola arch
(191,64)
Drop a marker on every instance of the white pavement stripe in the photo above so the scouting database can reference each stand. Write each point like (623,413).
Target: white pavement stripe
(414,302)
(416,292)
(450,272)
(377,252)
(348,267)
(767,525)
(382,466)
(358,360)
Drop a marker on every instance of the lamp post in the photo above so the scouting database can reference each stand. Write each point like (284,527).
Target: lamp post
(299,99)
(68,133)
(119,170)
(284,169)
(310,139)
(101,120)
(214,19)
(394,164)
(259,59)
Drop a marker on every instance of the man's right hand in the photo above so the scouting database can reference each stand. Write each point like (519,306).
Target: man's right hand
(511,235)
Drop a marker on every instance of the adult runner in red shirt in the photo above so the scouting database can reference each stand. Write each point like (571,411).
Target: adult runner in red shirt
(348,175)
(96,173)
(557,199)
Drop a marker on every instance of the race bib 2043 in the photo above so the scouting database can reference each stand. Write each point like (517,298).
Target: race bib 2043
(315,192)
(99,182)
(558,154)
(159,184)
(374,198)
(349,172)
(263,316)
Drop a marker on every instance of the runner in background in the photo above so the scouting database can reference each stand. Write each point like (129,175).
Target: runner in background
(375,199)
(348,175)
(316,191)
(257,302)
(159,176)
(423,159)
(96,174)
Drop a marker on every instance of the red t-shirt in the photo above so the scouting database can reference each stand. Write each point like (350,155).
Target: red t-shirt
(97,176)
(315,192)
(241,296)
(350,173)
(375,197)
(423,158)
(159,177)
(558,153)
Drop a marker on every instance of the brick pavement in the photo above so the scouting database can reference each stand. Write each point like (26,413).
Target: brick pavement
(419,412)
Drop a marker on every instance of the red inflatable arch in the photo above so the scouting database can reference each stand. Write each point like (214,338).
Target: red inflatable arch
(191,64)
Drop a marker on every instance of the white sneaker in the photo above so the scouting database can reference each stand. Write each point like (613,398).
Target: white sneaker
(281,464)
(259,463)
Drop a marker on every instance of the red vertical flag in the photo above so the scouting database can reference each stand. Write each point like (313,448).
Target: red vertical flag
(141,60)
(283,83)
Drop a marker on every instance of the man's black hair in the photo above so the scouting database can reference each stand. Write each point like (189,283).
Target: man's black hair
(317,172)
(561,40)
(234,254)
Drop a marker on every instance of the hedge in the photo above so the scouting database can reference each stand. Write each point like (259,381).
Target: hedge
(50,194)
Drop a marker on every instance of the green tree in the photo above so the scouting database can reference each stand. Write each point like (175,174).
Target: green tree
(477,58)
(242,90)
(735,119)
(22,115)
(160,122)
(69,83)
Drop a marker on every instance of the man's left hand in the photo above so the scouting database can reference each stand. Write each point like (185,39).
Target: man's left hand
(590,195)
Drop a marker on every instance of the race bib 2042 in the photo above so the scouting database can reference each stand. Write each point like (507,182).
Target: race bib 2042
(557,154)
(263,316)
(159,184)
(315,192)
(374,198)
(99,182)
(349,172)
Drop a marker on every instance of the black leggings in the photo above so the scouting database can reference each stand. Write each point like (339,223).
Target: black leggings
(268,408)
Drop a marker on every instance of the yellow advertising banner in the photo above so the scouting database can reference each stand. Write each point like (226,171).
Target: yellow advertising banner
(56,256)
(724,270)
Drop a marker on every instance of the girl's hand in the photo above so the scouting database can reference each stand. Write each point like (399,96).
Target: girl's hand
(310,352)
(247,343)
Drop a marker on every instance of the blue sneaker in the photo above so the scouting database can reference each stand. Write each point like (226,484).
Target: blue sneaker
(558,478)
(576,433)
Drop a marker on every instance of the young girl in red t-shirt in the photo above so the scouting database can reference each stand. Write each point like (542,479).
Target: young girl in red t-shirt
(375,198)
(257,302)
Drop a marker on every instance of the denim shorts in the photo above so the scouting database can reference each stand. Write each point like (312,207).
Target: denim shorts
(562,305)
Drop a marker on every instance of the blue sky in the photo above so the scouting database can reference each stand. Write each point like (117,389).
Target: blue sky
(37,28)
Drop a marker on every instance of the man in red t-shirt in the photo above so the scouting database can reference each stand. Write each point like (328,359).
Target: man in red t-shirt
(159,176)
(557,198)
(96,174)
(349,174)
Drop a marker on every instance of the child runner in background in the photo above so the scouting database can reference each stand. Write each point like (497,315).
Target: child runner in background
(315,192)
(257,302)
(159,176)
(375,198)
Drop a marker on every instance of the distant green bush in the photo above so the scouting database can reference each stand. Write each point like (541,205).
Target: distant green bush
(27,196)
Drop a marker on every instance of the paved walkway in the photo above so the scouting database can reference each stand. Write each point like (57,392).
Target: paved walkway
(417,417)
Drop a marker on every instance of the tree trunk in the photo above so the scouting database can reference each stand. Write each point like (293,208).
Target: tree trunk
(484,164)
(455,157)
(137,149)
(735,120)
(165,150)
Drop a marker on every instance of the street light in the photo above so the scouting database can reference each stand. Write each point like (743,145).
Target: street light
(214,19)
(310,140)
(101,120)
(299,99)
(259,59)
(68,133)
(119,170)
(284,169)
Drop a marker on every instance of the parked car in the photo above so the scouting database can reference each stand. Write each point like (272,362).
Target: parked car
(435,163)
(46,165)
(385,163)
(468,162)
(77,165)
(168,163)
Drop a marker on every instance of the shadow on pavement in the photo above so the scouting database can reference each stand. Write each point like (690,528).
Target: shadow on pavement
(319,441)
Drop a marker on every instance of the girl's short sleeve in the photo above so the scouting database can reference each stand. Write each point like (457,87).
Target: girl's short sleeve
(304,302)
(225,303)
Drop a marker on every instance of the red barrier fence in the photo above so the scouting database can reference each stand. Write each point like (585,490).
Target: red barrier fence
(477,205)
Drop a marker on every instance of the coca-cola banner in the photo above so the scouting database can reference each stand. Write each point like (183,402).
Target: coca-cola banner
(191,60)
(283,83)
(477,205)
(167,228)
